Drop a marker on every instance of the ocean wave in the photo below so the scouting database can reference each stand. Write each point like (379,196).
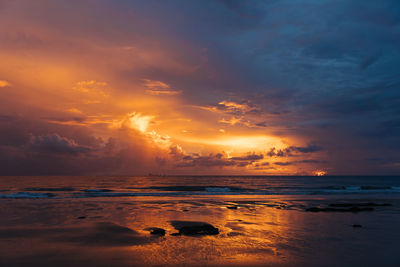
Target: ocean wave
(172,191)
(27,195)
(139,194)
(105,194)
(195,188)
(362,187)
(50,189)
(97,190)
(218,189)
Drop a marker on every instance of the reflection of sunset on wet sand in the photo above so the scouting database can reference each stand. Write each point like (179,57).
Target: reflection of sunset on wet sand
(110,222)
(258,232)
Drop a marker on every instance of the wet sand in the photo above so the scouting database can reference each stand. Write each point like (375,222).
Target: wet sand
(252,231)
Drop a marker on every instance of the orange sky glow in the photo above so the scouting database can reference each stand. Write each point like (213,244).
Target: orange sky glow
(100,93)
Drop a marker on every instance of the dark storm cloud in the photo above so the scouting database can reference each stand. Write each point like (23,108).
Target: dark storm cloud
(217,160)
(283,163)
(253,157)
(311,161)
(307,149)
(6,118)
(315,63)
(54,143)
(30,146)
(290,151)
(306,161)
(212,160)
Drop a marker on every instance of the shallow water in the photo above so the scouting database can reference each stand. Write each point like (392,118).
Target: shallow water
(75,222)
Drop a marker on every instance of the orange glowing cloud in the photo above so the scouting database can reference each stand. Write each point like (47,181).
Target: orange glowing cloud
(139,121)
(128,94)
(4,83)
(93,87)
(159,88)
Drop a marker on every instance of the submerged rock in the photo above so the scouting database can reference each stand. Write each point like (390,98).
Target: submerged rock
(366,204)
(351,209)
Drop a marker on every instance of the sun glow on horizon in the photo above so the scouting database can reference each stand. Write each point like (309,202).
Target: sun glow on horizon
(319,173)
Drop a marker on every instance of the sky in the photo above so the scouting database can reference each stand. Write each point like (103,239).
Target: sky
(123,87)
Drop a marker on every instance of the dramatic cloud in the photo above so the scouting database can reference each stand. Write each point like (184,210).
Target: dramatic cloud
(54,143)
(291,150)
(251,157)
(260,87)
(159,88)
(218,160)
(283,163)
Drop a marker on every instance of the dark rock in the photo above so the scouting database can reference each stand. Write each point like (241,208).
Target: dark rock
(205,229)
(82,217)
(356,225)
(232,207)
(158,231)
(194,228)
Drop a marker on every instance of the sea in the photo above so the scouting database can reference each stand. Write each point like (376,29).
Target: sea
(115,186)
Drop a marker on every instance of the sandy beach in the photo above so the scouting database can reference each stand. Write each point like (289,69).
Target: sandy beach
(252,231)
